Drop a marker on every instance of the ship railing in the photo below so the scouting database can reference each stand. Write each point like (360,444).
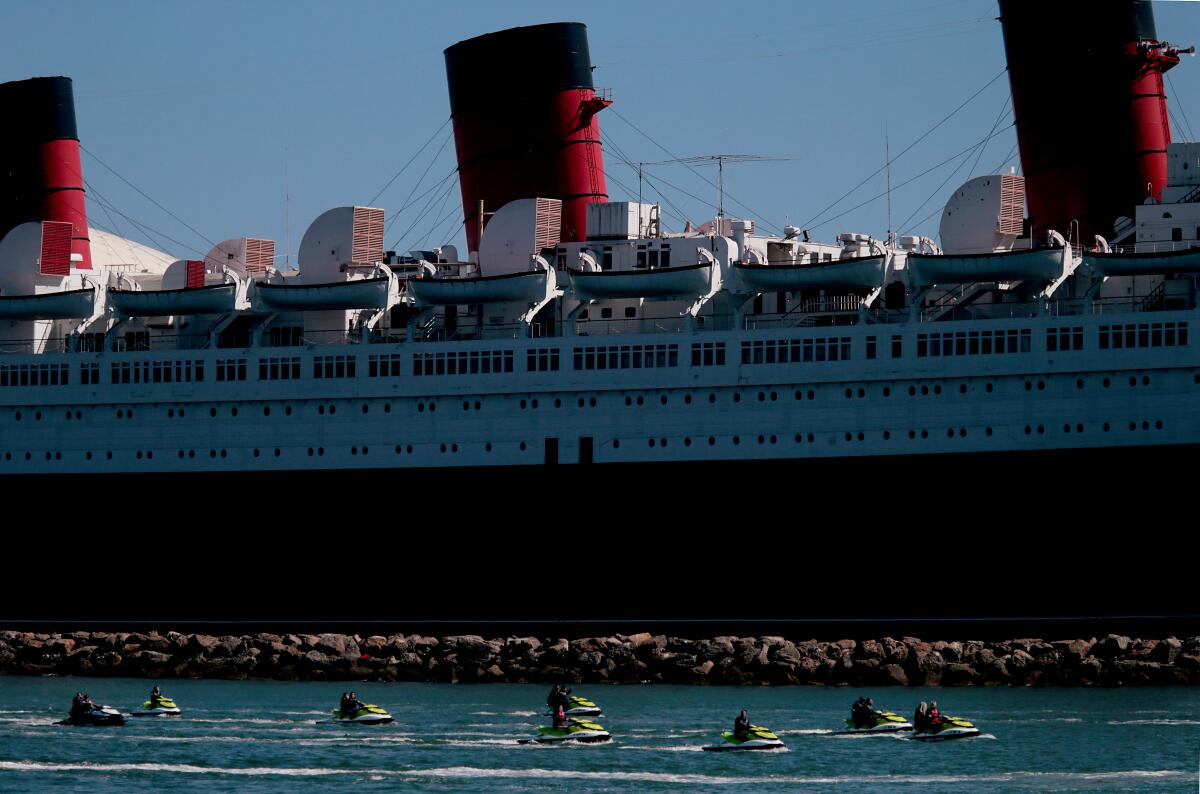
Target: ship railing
(1162,246)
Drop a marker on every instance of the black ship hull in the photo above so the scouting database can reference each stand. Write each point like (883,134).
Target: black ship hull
(1091,538)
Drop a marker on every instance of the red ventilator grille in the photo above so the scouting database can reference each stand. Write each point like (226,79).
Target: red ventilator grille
(195,273)
(1012,204)
(548,232)
(56,248)
(260,254)
(368,236)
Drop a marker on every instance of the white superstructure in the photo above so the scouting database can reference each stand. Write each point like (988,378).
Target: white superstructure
(636,345)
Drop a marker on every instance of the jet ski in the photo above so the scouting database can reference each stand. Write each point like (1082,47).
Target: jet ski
(581,707)
(881,722)
(369,714)
(759,738)
(577,731)
(945,729)
(95,717)
(166,708)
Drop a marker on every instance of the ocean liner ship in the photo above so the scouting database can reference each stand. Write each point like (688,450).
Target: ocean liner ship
(569,396)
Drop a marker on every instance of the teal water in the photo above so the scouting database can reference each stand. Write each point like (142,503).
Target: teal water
(261,736)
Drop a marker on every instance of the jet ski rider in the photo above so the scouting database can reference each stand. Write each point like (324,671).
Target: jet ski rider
(81,704)
(862,713)
(155,696)
(741,726)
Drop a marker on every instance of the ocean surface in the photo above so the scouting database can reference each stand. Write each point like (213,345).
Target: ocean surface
(262,736)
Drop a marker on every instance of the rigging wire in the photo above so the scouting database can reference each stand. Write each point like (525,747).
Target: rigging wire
(424,174)
(695,171)
(438,214)
(420,217)
(908,181)
(411,160)
(1182,109)
(811,224)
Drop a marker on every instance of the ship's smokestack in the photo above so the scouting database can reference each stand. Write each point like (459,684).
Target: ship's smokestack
(40,175)
(1091,114)
(524,110)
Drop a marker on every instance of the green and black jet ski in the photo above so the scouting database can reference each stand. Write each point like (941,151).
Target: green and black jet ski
(759,738)
(368,714)
(95,717)
(881,722)
(944,729)
(577,730)
(165,708)
(581,707)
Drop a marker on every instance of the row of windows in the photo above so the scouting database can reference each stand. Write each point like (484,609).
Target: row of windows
(1065,338)
(974,343)
(231,369)
(708,354)
(473,362)
(334,366)
(542,360)
(1143,335)
(384,365)
(34,375)
(89,374)
(627,357)
(155,372)
(279,368)
(796,351)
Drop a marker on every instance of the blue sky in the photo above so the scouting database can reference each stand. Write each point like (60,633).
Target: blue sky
(203,106)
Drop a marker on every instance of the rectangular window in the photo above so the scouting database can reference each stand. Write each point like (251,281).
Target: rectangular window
(870,347)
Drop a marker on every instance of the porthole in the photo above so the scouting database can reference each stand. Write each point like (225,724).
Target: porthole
(1066,428)
(862,393)
(737,440)
(592,402)
(580,402)
(712,441)
(1106,427)
(988,388)
(191,453)
(18,416)
(310,452)
(108,455)
(811,394)
(1108,382)
(799,395)
(712,398)
(861,436)
(937,389)
(924,434)
(266,410)
(1132,426)
(1078,428)
(37,416)
(150,455)
(663,399)
(180,414)
(333,409)
(88,455)
(849,394)
(651,442)
(628,401)
(557,402)
(962,388)
(1145,380)
(408,449)
(762,396)
(256,453)
(1041,385)
(139,455)
(616,444)
(353,450)
(443,447)
(48,455)
(453,448)
(487,447)
(212,453)
(233,411)
(687,442)
(466,405)
(687,399)
(737,397)
(1079,383)
(773,439)
(287,410)
(276,451)
(120,414)
(1041,429)
(1145,425)
(421,407)
(641,400)
(29,456)
(387,408)
(523,445)
(987,431)
(950,433)
(532,404)
(887,391)
(762,439)
(170,413)
(1133,381)
(1028,386)
(1158,425)
(396,449)
(366,408)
